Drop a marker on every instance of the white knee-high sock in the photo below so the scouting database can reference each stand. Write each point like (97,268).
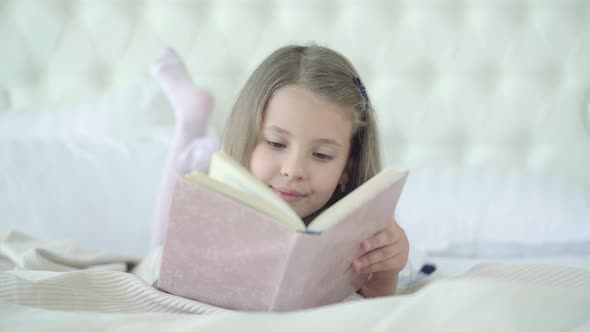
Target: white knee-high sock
(192,104)
(192,107)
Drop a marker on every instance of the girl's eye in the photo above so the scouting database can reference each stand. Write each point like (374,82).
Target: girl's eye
(322,156)
(275,145)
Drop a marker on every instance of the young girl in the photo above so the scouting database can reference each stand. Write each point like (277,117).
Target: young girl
(303,125)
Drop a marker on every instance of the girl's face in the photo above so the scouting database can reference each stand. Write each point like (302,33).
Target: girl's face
(303,148)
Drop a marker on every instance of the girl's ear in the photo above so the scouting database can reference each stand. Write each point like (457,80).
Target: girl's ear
(345,177)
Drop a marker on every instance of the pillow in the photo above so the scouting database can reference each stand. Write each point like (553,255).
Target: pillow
(484,212)
(87,171)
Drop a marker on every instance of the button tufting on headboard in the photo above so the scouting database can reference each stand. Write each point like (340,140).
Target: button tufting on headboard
(458,74)
(4,100)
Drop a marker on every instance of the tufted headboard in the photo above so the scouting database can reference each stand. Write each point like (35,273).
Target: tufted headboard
(487,102)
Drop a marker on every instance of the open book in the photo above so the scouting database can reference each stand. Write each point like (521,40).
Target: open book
(232,242)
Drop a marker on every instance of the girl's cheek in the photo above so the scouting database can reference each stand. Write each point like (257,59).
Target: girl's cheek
(260,164)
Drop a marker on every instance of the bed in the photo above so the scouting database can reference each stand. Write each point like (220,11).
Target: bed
(486,103)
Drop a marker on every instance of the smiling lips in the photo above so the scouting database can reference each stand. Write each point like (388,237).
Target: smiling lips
(288,195)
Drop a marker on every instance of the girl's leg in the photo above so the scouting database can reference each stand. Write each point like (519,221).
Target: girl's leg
(192,104)
(192,107)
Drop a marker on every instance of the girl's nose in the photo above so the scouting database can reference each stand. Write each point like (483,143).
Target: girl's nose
(294,167)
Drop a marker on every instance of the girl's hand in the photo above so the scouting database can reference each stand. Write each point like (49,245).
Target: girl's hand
(385,255)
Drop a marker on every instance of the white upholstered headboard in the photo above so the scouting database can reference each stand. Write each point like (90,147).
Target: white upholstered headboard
(487,103)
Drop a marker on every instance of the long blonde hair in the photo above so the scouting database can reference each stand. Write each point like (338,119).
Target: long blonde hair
(329,75)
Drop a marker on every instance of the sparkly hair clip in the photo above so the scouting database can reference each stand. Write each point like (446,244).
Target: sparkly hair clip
(359,84)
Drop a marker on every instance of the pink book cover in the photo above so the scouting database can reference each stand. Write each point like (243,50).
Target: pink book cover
(223,253)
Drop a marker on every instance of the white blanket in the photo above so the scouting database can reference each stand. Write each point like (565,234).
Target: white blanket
(55,285)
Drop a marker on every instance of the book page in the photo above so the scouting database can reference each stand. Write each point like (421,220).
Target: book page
(367,192)
(226,170)
(240,197)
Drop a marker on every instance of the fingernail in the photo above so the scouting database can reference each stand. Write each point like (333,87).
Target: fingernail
(365,246)
(356,265)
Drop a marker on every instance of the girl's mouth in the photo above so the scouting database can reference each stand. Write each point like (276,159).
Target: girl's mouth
(288,195)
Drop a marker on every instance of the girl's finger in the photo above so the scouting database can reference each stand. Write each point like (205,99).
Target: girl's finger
(375,256)
(383,238)
(393,263)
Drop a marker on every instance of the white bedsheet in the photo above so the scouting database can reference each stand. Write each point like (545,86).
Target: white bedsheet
(50,285)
